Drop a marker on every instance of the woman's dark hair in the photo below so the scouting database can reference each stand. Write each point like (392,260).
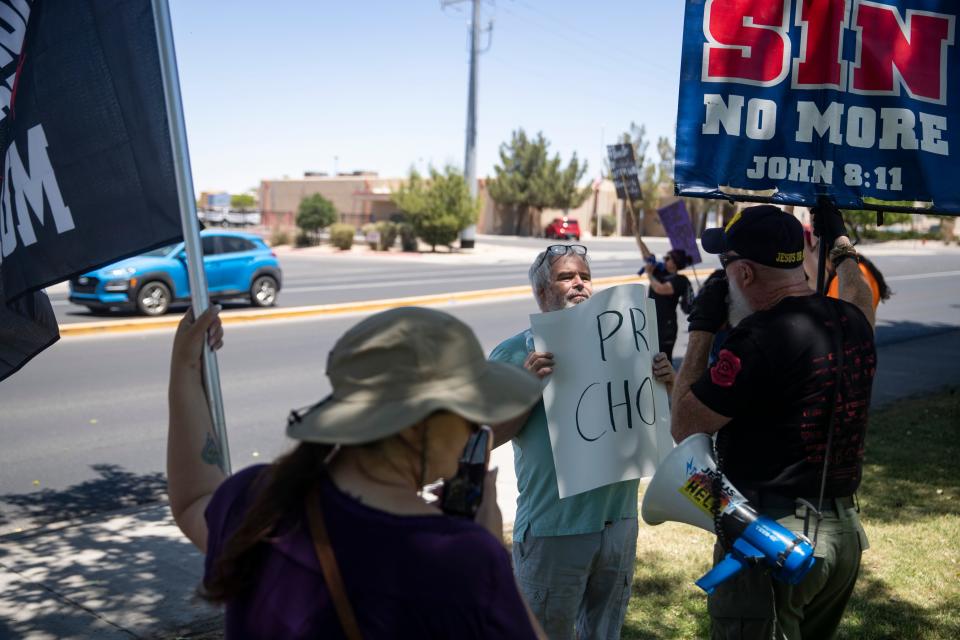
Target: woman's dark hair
(885,291)
(679,257)
(278,492)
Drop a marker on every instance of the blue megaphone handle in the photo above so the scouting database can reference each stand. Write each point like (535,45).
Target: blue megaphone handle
(732,564)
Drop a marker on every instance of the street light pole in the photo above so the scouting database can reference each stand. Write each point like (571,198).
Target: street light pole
(469,235)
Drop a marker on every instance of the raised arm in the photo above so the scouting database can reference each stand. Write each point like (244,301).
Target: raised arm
(644,250)
(193,454)
(852,286)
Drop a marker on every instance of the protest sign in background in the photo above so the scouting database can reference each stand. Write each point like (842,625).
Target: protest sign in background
(623,170)
(607,417)
(791,99)
(88,173)
(676,222)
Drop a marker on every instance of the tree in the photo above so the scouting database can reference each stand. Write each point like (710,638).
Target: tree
(568,195)
(438,209)
(860,220)
(315,213)
(528,181)
(243,202)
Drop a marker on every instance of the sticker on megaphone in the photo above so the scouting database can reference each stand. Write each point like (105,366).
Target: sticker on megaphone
(691,472)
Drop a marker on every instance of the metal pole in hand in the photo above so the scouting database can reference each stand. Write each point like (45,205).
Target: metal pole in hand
(821,265)
(824,204)
(188,215)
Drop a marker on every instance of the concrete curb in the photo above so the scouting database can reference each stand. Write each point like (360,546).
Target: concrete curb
(314,311)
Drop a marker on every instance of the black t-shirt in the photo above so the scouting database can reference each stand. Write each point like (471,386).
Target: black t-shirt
(775,376)
(667,305)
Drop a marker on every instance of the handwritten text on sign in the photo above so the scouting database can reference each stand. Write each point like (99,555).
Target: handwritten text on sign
(608,418)
(850,98)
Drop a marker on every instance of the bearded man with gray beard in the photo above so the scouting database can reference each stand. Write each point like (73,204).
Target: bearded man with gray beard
(787,397)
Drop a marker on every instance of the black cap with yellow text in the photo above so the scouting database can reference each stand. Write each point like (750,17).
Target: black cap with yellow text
(764,234)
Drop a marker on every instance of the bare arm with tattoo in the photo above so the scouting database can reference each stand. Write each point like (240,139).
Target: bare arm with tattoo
(194,463)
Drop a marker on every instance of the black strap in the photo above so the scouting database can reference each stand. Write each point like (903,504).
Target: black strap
(837,335)
(329,566)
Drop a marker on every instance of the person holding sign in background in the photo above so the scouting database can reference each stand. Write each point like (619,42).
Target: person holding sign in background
(573,558)
(788,397)
(668,288)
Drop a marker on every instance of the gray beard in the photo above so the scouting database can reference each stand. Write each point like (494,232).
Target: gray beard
(739,308)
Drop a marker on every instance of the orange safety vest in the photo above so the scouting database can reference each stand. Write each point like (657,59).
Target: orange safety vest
(833,289)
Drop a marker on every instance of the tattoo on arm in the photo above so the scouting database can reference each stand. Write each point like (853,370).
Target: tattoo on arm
(211,452)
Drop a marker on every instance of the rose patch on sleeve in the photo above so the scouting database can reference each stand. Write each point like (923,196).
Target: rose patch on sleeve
(724,371)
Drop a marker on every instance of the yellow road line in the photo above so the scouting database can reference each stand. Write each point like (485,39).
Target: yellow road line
(341,308)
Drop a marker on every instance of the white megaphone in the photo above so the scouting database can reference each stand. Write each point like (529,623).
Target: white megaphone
(682,490)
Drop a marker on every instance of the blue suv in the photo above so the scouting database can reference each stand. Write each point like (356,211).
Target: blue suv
(238,265)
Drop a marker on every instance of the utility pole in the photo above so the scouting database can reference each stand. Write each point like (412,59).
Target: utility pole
(469,235)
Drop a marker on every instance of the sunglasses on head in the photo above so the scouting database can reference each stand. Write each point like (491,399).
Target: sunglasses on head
(557,250)
(727,259)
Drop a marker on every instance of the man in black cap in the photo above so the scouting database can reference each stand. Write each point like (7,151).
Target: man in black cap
(794,363)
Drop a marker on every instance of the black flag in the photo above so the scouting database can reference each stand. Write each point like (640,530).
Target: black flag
(88,173)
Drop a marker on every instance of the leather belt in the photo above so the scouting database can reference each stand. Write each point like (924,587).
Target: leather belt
(770,500)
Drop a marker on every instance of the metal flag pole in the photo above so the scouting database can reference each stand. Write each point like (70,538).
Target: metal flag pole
(188,215)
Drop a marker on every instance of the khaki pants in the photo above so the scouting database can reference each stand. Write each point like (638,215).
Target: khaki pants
(755,605)
(578,586)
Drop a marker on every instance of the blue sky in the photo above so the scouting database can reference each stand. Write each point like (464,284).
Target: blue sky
(274,89)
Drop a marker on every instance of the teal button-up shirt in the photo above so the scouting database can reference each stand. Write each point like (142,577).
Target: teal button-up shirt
(539,506)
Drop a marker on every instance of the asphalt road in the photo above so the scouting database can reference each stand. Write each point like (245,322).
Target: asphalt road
(83,426)
(311,279)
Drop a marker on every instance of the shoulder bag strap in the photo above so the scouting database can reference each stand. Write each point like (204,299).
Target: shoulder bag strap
(328,564)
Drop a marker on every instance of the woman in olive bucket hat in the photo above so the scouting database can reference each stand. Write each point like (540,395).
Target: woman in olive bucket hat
(334,539)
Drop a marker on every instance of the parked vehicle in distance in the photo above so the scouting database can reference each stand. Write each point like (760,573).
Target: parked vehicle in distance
(242,218)
(212,216)
(238,265)
(563,229)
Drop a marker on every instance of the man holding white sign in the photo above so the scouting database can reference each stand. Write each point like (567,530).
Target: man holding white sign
(574,556)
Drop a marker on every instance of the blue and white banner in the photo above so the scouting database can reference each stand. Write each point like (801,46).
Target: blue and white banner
(792,99)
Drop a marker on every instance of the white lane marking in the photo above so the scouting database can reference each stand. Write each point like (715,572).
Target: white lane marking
(923,276)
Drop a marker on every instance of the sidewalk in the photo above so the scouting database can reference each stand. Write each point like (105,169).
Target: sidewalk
(133,575)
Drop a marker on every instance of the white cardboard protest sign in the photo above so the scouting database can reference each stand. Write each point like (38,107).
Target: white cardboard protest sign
(608,419)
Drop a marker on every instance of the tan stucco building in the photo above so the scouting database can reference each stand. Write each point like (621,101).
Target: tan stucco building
(362,197)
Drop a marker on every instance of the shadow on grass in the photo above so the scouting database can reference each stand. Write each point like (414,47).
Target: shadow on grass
(663,603)
(912,448)
(877,611)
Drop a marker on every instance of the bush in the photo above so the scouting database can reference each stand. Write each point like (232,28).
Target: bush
(388,234)
(439,209)
(608,224)
(304,239)
(371,235)
(408,237)
(315,213)
(278,237)
(341,236)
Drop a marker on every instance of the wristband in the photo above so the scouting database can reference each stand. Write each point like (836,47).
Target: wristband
(839,254)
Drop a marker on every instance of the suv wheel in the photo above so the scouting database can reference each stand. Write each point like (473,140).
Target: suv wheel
(153,299)
(263,291)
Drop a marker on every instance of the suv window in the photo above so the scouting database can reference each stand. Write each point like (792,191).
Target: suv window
(209,245)
(230,244)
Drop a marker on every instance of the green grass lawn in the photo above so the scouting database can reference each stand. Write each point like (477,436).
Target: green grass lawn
(909,585)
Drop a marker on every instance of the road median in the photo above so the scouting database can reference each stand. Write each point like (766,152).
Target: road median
(246,316)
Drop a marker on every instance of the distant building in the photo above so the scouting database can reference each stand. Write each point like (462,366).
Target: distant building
(364,196)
